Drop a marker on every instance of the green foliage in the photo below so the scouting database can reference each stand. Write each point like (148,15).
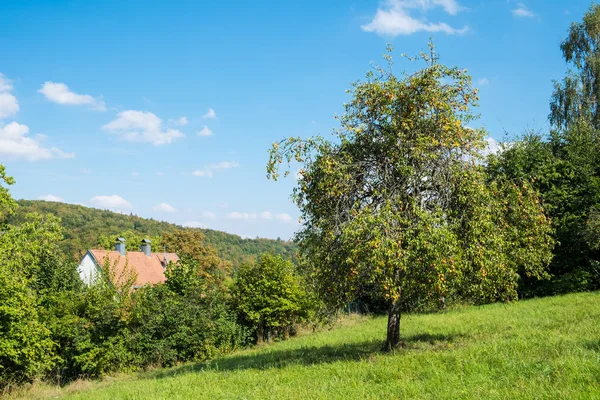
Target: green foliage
(54,327)
(268,296)
(400,203)
(192,245)
(133,240)
(169,327)
(25,344)
(575,98)
(565,169)
(26,267)
(7,204)
(86,228)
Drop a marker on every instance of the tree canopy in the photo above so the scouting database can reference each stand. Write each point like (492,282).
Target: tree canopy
(577,96)
(400,201)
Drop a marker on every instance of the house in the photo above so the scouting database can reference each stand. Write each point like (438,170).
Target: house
(149,267)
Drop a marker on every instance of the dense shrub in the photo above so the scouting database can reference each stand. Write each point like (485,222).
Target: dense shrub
(269,298)
(167,328)
(25,344)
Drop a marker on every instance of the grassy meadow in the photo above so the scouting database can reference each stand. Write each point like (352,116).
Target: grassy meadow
(545,348)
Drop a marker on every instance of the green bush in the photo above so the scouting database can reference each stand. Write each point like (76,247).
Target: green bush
(269,298)
(26,350)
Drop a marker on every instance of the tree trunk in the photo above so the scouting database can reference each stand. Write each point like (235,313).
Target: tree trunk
(393,326)
(260,333)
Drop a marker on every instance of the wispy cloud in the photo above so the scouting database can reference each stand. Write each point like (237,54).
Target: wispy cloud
(208,215)
(8,102)
(242,216)
(142,126)
(194,224)
(394,18)
(16,143)
(51,197)
(284,218)
(113,202)
(210,114)
(266,215)
(164,207)
(203,173)
(262,216)
(208,170)
(223,165)
(60,93)
(205,131)
(522,11)
(494,147)
(483,81)
(181,121)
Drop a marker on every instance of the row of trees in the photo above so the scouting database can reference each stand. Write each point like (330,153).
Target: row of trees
(54,327)
(563,166)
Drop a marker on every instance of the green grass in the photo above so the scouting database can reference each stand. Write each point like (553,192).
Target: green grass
(538,349)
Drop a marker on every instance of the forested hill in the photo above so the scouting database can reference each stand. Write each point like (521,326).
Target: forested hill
(84,227)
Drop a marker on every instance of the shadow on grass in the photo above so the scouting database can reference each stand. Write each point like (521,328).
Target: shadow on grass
(593,345)
(270,357)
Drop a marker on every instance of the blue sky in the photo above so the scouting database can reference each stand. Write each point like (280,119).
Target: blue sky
(167,109)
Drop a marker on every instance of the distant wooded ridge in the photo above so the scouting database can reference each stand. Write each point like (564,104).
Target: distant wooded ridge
(84,227)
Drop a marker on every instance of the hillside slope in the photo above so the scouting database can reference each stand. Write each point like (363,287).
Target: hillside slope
(83,227)
(536,349)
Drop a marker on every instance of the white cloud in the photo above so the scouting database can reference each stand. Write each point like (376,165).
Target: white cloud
(135,173)
(203,172)
(141,126)
(266,215)
(51,197)
(113,202)
(210,114)
(242,216)
(159,173)
(284,218)
(522,11)
(15,143)
(393,18)
(492,147)
(483,81)
(164,207)
(205,131)
(5,85)
(209,215)
(8,103)
(60,93)
(207,171)
(223,165)
(182,121)
(194,224)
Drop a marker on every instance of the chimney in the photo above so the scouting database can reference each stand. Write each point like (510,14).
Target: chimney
(120,245)
(146,247)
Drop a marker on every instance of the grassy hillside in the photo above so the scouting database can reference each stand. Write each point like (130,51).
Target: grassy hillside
(83,226)
(537,349)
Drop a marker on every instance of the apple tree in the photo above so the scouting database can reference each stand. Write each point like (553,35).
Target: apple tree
(399,201)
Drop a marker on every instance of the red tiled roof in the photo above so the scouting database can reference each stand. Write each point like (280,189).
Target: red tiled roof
(149,270)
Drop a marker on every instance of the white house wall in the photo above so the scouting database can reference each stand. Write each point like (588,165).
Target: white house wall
(87,269)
